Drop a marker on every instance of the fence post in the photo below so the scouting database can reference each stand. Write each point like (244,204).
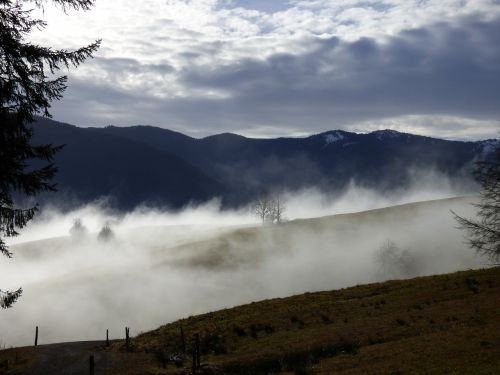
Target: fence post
(183,341)
(198,354)
(127,338)
(91,364)
(194,360)
(107,337)
(36,336)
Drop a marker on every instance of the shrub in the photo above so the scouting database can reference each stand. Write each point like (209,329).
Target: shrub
(78,230)
(106,234)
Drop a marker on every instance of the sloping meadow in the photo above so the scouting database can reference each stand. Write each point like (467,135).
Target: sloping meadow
(144,275)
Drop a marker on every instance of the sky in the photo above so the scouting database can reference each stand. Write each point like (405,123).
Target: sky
(267,68)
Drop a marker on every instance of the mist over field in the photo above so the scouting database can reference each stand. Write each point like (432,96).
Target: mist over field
(161,266)
(249,187)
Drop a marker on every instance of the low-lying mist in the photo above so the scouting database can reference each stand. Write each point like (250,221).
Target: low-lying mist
(160,266)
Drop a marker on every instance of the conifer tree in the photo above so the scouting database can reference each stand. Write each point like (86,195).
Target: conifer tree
(106,234)
(29,82)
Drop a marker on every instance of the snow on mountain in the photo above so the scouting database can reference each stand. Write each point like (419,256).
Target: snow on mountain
(488,146)
(384,134)
(333,137)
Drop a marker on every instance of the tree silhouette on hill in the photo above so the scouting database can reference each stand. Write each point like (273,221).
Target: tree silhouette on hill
(483,233)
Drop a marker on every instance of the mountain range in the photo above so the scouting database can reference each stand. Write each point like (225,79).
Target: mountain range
(130,166)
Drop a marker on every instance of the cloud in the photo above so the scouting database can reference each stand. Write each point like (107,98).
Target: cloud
(294,67)
(442,69)
(446,127)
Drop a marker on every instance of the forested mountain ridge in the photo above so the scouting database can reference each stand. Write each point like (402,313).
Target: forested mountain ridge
(144,164)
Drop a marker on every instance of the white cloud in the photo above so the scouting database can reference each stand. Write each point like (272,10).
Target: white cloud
(446,127)
(209,35)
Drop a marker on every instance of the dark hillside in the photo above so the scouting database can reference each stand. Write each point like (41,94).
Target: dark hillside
(94,165)
(382,159)
(144,164)
(447,324)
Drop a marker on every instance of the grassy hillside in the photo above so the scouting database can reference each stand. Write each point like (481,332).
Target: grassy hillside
(424,227)
(448,324)
(148,276)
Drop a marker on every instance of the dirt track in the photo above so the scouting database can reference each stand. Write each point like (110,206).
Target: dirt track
(69,359)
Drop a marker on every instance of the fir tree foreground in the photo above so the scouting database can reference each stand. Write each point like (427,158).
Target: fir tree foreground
(28,84)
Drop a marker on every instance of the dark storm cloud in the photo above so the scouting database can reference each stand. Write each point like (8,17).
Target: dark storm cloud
(441,69)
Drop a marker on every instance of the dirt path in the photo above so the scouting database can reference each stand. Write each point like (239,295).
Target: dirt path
(69,359)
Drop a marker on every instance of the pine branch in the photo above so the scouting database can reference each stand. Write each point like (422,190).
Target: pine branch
(7,299)
(27,88)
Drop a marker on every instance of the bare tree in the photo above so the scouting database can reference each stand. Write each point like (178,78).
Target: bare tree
(394,261)
(483,233)
(262,208)
(269,209)
(277,209)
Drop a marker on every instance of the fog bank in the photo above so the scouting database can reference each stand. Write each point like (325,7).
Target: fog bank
(161,266)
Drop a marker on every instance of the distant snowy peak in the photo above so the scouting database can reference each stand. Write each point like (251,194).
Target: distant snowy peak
(341,137)
(487,147)
(333,137)
(386,134)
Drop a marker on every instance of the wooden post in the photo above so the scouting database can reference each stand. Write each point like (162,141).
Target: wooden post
(163,361)
(194,360)
(198,354)
(127,338)
(107,337)
(36,336)
(91,364)
(183,341)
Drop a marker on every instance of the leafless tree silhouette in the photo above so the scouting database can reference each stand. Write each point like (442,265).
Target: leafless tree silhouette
(483,233)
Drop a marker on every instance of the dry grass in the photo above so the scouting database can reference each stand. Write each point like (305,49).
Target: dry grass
(14,359)
(447,324)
